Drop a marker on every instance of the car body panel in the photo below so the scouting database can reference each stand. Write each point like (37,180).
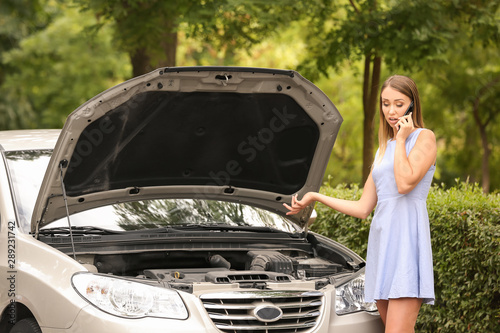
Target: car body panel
(90,320)
(28,139)
(258,137)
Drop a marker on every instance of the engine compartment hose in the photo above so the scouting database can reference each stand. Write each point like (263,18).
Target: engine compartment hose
(219,261)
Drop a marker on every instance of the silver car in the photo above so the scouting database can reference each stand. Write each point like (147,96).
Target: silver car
(159,208)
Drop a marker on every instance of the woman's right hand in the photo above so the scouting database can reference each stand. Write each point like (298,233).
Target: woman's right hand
(297,205)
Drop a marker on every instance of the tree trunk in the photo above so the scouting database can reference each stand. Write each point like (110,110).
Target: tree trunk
(371,83)
(169,46)
(485,160)
(141,61)
(162,54)
(485,164)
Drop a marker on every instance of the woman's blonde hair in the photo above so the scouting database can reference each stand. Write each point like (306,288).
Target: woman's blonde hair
(406,86)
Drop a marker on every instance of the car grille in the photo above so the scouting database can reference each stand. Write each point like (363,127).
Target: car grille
(241,312)
(241,278)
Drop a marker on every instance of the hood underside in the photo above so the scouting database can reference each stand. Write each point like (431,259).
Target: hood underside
(250,135)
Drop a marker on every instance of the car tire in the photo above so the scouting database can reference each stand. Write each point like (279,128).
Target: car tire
(28,325)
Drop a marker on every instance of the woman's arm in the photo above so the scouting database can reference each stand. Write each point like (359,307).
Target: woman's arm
(409,171)
(360,208)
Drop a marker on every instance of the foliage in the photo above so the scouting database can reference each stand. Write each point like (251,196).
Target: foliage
(17,21)
(345,164)
(467,94)
(237,24)
(406,36)
(283,50)
(52,65)
(148,30)
(56,69)
(466,243)
(145,30)
(373,32)
(347,230)
(465,229)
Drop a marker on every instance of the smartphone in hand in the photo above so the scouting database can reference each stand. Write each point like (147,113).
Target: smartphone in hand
(410,109)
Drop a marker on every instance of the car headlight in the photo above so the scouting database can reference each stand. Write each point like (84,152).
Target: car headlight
(350,297)
(129,299)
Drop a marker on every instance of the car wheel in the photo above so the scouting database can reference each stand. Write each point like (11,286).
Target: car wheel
(28,325)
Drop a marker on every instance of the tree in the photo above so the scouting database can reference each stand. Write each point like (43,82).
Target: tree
(148,30)
(471,91)
(470,86)
(55,69)
(489,90)
(403,35)
(17,20)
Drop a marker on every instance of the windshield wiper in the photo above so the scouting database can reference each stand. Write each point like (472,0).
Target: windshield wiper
(90,230)
(227,227)
(86,230)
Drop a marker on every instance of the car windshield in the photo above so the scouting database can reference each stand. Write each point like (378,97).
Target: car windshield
(27,169)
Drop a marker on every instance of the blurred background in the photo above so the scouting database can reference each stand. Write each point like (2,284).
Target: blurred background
(55,55)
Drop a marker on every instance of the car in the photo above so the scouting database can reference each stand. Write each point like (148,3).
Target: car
(158,207)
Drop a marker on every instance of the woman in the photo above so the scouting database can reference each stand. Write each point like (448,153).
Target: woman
(399,273)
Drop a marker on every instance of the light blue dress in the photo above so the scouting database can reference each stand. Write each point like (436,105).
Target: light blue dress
(399,258)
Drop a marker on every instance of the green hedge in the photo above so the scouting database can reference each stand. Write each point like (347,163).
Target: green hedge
(465,233)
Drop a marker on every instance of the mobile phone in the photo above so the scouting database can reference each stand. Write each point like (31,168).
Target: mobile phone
(410,109)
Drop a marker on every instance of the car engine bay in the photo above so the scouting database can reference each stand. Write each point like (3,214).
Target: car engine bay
(248,263)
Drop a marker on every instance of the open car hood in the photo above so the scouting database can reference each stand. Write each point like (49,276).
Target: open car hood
(250,135)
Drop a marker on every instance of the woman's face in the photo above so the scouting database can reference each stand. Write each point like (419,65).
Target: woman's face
(394,105)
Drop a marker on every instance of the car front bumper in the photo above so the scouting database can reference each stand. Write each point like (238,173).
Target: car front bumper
(91,319)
